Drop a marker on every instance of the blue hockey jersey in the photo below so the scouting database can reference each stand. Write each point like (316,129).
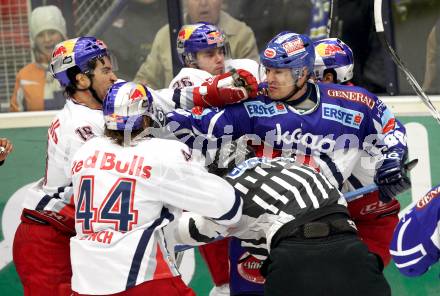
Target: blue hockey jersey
(346,121)
(416,239)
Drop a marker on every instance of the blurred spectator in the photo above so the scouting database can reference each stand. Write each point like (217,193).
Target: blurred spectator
(5,148)
(431,83)
(157,70)
(129,42)
(35,88)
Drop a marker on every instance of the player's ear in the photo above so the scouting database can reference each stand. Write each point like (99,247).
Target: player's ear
(82,81)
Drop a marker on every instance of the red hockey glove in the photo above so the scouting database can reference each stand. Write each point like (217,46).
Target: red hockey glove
(248,81)
(227,88)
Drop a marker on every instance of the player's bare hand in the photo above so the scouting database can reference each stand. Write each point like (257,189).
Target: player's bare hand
(5,148)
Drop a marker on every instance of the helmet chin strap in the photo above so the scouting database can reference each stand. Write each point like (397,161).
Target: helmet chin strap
(295,89)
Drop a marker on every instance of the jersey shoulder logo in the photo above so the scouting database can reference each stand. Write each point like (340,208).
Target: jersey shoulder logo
(423,202)
(345,116)
(260,109)
(353,96)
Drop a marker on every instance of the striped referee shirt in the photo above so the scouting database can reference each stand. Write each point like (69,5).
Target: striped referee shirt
(277,191)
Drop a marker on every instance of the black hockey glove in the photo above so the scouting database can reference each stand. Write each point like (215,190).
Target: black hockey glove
(391,176)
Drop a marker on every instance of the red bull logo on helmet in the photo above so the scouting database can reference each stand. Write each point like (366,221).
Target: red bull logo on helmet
(64,48)
(137,93)
(181,34)
(60,50)
(186,32)
(215,37)
(326,50)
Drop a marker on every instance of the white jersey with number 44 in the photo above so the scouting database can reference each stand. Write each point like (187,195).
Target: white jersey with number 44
(124,196)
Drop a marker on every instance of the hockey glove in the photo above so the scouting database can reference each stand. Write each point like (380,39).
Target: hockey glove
(227,88)
(391,177)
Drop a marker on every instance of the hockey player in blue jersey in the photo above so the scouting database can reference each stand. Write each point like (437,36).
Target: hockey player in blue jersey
(328,126)
(416,240)
(333,123)
(374,219)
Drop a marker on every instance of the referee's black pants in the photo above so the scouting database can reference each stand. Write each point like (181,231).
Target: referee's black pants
(336,265)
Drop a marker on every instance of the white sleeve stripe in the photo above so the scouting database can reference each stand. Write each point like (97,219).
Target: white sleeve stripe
(213,122)
(435,237)
(401,233)
(417,249)
(409,263)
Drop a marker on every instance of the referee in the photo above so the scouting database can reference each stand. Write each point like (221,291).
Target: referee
(296,219)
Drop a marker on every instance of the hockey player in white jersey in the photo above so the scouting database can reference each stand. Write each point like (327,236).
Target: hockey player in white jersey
(81,65)
(127,188)
(203,51)
(41,245)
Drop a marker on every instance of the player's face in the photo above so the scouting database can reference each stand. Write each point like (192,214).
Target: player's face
(103,77)
(328,78)
(204,10)
(46,41)
(280,82)
(212,61)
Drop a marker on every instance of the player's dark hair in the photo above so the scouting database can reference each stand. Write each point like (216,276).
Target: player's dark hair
(118,136)
(333,72)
